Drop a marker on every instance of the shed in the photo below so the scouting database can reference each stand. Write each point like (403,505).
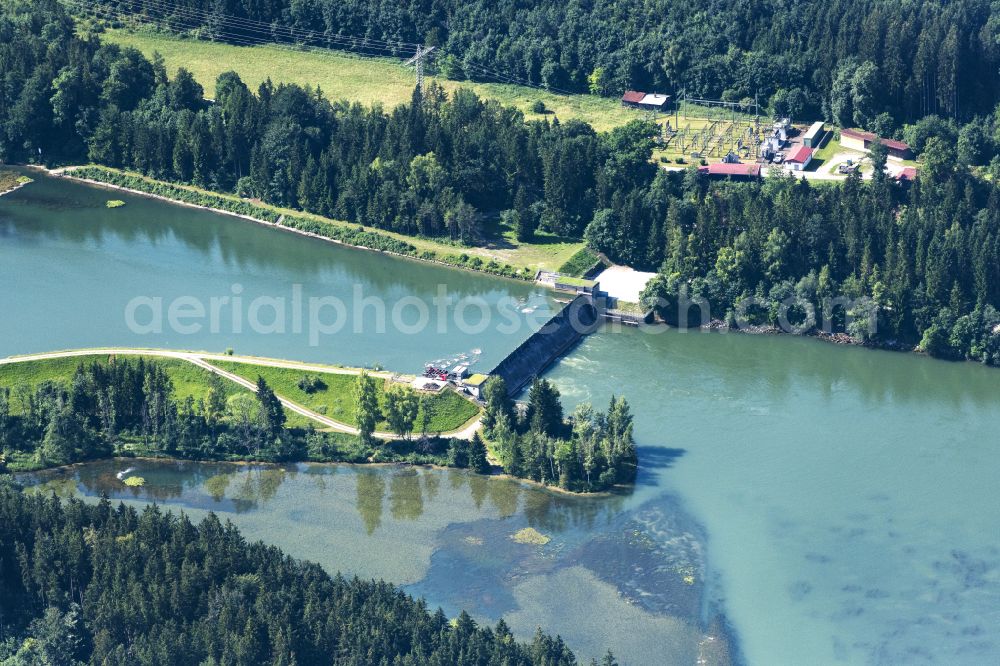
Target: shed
(575,285)
(632,98)
(474,384)
(814,135)
(648,101)
(799,159)
(907,175)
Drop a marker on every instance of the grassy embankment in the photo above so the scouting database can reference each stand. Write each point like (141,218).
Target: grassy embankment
(366,80)
(502,255)
(336,401)
(580,263)
(187,379)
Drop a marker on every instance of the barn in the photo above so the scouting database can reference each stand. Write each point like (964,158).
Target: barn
(647,101)
(859,140)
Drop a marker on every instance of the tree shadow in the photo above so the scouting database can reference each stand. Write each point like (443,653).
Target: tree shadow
(653,459)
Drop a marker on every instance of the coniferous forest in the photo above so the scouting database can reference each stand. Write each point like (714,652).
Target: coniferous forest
(803,57)
(920,260)
(102,584)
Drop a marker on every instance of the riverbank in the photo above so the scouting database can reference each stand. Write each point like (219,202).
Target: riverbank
(496,259)
(720,326)
(11,181)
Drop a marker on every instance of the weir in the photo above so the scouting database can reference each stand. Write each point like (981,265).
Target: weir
(580,317)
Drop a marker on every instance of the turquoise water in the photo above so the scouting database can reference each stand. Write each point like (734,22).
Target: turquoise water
(71,267)
(849,496)
(838,504)
(606,578)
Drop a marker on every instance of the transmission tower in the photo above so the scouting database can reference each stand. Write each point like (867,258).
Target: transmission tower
(418,62)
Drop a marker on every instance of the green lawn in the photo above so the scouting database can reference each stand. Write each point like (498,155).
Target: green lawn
(336,401)
(187,378)
(346,76)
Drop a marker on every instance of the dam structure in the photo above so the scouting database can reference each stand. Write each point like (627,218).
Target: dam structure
(562,332)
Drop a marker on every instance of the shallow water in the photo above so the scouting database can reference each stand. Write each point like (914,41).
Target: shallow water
(849,496)
(838,503)
(447,535)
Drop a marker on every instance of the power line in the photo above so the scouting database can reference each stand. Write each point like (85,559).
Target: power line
(192,19)
(243,40)
(203,19)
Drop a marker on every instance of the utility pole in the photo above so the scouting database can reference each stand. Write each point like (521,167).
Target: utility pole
(418,62)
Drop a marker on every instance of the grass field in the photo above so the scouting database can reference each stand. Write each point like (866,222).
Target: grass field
(187,379)
(345,76)
(336,401)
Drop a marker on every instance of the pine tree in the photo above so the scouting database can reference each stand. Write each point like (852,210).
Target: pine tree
(366,406)
(477,454)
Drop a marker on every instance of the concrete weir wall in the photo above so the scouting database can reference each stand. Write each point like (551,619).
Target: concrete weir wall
(580,317)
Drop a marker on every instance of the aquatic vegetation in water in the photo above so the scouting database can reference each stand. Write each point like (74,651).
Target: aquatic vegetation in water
(216,486)
(115,203)
(135,481)
(60,487)
(473,540)
(529,535)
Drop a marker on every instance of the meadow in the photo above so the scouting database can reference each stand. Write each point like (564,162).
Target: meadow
(334,397)
(341,75)
(187,379)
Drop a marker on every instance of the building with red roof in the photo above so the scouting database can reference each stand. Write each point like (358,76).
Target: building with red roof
(648,101)
(799,159)
(632,98)
(734,171)
(907,175)
(859,140)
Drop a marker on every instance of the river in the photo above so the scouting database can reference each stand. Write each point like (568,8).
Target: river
(838,504)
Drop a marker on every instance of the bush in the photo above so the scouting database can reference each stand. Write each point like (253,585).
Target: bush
(311,384)
(538,106)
